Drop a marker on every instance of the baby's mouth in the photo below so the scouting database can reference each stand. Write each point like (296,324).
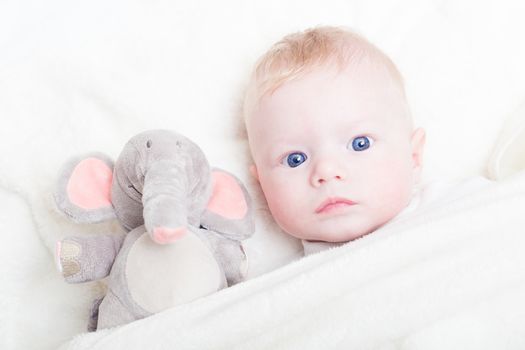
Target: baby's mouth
(333,203)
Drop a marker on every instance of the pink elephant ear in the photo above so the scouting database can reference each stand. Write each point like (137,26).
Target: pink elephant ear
(229,211)
(89,186)
(227,198)
(84,189)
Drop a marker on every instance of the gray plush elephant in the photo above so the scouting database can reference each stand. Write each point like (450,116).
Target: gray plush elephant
(184,222)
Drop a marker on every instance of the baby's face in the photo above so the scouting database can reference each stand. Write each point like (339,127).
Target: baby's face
(335,153)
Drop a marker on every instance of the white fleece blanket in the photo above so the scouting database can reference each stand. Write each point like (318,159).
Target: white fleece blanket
(82,76)
(448,275)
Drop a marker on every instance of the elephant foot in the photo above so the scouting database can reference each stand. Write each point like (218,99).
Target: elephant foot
(66,258)
(164,235)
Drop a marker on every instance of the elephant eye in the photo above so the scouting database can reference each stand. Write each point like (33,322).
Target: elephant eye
(148,144)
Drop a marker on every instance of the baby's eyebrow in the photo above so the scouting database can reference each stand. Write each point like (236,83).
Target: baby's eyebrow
(353,124)
(276,149)
(362,125)
(279,149)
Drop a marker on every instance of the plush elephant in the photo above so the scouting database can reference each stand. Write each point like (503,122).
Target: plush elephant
(184,223)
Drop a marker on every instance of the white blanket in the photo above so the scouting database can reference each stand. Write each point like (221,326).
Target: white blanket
(450,275)
(83,76)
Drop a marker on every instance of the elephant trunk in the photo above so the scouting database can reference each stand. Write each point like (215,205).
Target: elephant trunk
(175,194)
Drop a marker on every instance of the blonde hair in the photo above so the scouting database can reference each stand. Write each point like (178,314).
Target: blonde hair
(298,53)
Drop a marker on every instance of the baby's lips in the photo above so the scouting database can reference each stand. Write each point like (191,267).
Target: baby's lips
(326,204)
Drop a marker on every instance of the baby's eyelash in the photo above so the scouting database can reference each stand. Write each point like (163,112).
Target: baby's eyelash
(293,159)
(360,143)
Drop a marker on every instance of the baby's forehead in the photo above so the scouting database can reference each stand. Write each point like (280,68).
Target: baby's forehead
(345,98)
(361,83)
(369,73)
(366,89)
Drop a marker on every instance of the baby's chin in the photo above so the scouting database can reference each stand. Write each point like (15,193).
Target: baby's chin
(344,228)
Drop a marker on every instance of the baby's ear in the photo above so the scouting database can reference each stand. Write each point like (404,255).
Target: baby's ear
(83,191)
(418,146)
(229,210)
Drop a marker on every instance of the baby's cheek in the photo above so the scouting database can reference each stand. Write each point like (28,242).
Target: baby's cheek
(390,183)
(284,204)
(397,190)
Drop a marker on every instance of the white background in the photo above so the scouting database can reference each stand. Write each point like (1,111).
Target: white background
(81,76)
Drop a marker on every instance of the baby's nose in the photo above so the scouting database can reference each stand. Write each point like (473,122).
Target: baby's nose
(327,170)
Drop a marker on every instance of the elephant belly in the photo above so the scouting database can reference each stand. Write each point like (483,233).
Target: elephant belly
(162,276)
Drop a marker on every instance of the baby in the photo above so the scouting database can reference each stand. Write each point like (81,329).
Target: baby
(331,135)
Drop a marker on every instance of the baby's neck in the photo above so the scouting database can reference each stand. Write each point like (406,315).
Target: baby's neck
(311,247)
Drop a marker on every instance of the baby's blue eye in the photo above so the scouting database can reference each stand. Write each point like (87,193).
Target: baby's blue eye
(361,143)
(295,159)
